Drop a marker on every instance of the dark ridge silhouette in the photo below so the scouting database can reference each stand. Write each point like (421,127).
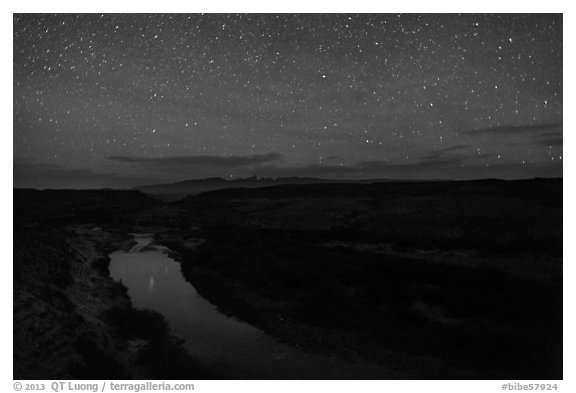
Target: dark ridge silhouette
(179,190)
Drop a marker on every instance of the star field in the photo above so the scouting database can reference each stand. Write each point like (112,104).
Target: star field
(121,100)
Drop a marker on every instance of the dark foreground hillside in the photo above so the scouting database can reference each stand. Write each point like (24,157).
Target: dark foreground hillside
(490,215)
(454,280)
(71,321)
(448,280)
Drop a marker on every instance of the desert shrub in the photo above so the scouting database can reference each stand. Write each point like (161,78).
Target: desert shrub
(168,360)
(97,364)
(134,323)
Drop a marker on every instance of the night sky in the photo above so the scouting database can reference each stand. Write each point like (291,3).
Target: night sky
(125,100)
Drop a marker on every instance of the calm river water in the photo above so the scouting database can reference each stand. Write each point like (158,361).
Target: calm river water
(226,344)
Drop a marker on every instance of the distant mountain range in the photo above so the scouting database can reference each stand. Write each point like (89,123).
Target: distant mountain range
(179,190)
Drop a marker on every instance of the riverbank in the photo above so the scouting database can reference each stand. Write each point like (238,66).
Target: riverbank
(421,314)
(72,321)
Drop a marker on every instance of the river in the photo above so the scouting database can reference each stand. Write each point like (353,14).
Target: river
(230,346)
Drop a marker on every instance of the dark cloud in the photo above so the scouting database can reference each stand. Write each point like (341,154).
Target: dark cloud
(549,134)
(453,168)
(163,164)
(519,130)
(41,175)
(453,148)
(551,142)
(435,165)
(193,167)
